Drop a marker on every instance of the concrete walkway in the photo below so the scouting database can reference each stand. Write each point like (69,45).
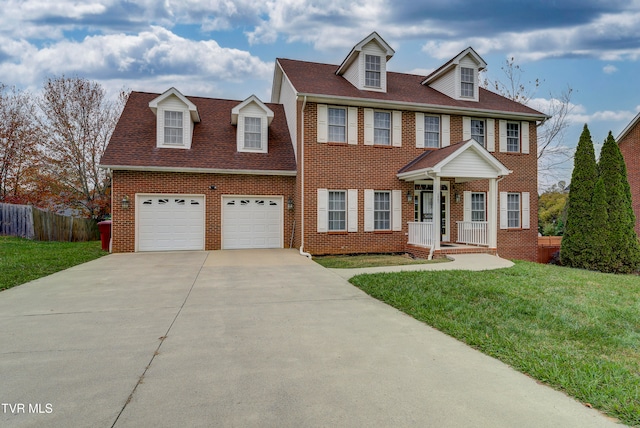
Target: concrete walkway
(244,339)
(458,262)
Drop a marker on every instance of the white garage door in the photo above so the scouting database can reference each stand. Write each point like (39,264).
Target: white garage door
(251,222)
(170,222)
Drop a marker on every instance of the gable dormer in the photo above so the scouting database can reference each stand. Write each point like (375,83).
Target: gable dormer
(175,116)
(252,118)
(366,65)
(458,78)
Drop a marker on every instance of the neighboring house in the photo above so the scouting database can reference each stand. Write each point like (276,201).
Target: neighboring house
(629,143)
(197,173)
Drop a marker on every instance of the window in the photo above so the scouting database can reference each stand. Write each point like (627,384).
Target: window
(372,71)
(432,131)
(382,211)
(382,128)
(337,210)
(477,130)
(513,137)
(478,211)
(173,128)
(337,124)
(513,210)
(252,133)
(467,82)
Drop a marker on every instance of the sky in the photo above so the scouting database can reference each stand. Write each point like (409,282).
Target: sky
(227,49)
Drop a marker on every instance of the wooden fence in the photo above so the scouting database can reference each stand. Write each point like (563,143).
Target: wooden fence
(547,246)
(33,223)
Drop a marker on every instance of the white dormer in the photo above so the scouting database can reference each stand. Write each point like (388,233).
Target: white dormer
(366,65)
(458,78)
(175,116)
(252,118)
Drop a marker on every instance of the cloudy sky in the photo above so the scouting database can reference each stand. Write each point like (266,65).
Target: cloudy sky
(226,49)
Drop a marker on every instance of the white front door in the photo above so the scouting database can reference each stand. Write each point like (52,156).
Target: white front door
(426,211)
(252,222)
(170,222)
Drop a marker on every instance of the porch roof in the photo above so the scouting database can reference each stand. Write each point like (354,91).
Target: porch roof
(466,160)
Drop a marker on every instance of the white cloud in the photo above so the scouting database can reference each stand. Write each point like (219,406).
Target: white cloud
(601,116)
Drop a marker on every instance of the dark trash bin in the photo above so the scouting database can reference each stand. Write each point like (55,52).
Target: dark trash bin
(105,233)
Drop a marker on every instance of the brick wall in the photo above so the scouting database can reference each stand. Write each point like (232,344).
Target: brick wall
(343,166)
(131,182)
(630,148)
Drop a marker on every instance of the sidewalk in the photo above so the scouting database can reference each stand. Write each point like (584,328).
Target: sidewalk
(459,262)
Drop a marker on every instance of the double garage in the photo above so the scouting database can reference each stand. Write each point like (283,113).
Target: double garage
(178,222)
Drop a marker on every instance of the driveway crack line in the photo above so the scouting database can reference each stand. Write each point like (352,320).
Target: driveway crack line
(157,351)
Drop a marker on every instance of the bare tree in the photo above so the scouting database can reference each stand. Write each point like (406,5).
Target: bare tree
(552,153)
(79,120)
(19,134)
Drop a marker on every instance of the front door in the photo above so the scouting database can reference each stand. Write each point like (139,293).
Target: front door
(426,211)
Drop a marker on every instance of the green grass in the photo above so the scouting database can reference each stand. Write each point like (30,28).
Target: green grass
(575,330)
(22,260)
(369,260)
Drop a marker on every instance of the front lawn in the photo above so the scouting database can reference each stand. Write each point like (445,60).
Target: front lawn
(370,260)
(575,330)
(22,260)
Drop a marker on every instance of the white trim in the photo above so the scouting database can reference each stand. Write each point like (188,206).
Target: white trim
(504,214)
(199,170)
(352,125)
(525,210)
(524,137)
(503,135)
(466,128)
(368,127)
(490,134)
(322,128)
(235,112)
(396,128)
(466,205)
(139,196)
(191,107)
(628,128)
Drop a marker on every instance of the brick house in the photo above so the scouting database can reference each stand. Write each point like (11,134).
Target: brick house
(347,158)
(629,143)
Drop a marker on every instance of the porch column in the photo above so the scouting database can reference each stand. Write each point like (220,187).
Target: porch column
(492,213)
(436,212)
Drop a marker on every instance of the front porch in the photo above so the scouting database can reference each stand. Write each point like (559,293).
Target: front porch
(435,174)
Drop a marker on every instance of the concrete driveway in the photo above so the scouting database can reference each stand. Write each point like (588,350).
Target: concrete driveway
(244,339)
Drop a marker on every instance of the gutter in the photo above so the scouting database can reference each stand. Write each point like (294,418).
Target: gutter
(302,252)
(198,170)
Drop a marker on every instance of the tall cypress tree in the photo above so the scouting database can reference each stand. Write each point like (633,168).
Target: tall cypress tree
(601,229)
(577,249)
(622,238)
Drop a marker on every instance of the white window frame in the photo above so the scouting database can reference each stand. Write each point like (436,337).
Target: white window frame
(342,125)
(464,83)
(511,210)
(475,136)
(513,141)
(378,210)
(428,132)
(376,140)
(474,206)
(372,71)
(169,126)
(252,132)
(332,211)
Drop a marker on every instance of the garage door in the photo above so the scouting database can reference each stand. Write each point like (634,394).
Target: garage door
(251,222)
(170,222)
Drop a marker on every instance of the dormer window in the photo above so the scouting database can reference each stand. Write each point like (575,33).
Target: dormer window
(467,82)
(173,128)
(372,71)
(252,133)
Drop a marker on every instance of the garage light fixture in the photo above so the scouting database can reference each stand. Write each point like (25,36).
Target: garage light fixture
(290,204)
(409,196)
(125,202)
(212,187)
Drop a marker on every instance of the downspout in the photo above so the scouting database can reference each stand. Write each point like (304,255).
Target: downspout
(302,252)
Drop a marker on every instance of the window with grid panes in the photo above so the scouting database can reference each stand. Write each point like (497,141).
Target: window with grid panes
(382,128)
(513,210)
(337,124)
(252,132)
(382,211)
(478,207)
(337,210)
(372,71)
(467,81)
(513,137)
(477,130)
(432,131)
(173,128)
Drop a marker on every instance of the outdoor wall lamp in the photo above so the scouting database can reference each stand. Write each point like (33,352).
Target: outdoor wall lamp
(213,187)
(457,197)
(409,196)
(290,204)
(125,202)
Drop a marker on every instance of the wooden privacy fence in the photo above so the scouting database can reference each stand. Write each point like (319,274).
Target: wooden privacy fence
(547,246)
(33,223)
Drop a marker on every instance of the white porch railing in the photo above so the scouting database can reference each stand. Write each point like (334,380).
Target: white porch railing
(421,233)
(473,232)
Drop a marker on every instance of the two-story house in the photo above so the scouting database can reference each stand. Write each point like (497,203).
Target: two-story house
(629,143)
(347,158)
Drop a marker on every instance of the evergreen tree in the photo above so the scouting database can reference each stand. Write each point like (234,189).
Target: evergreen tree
(601,229)
(622,239)
(577,249)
